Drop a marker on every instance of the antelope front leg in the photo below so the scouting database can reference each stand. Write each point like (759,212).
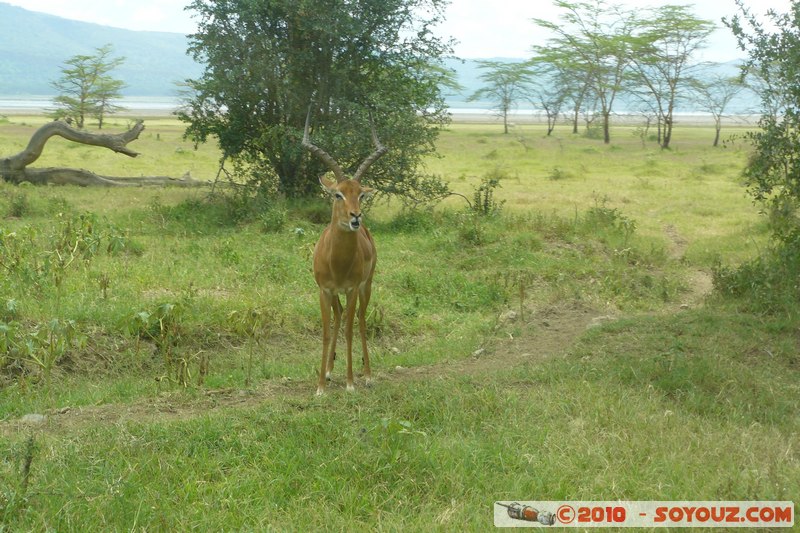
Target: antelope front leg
(352,297)
(325,306)
(337,321)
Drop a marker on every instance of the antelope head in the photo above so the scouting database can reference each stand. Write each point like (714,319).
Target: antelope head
(347,192)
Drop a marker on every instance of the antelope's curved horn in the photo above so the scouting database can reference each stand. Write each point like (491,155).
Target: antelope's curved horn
(379,151)
(324,156)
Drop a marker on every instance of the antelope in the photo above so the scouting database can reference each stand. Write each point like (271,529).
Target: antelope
(344,260)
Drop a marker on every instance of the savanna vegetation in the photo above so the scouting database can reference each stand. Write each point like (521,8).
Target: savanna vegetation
(552,333)
(580,317)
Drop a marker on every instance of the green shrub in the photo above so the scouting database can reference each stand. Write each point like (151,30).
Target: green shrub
(18,204)
(483,201)
(767,284)
(559,173)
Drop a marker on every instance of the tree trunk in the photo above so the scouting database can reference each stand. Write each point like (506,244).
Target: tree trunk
(668,128)
(718,128)
(14,169)
(575,114)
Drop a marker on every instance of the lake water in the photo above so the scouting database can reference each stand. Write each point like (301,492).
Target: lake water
(151,104)
(166,105)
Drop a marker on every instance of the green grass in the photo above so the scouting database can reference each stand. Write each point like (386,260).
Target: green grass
(692,186)
(659,402)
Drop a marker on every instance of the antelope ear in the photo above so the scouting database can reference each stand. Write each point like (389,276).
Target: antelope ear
(328,184)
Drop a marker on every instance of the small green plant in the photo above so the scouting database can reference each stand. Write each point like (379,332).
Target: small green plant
(10,310)
(559,173)
(167,319)
(767,283)
(253,324)
(119,242)
(105,282)
(601,217)
(159,211)
(18,204)
(470,228)
(19,257)
(228,253)
(273,217)
(163,326)
(483,200)
(13,347)
(14,492)
(394,435)
(50,342)
(413,221)
(75,238)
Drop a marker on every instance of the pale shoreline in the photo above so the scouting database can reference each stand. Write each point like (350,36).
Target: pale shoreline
(619,119)
(458,116)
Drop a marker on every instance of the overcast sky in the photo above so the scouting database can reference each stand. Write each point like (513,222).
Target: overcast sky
(484,28)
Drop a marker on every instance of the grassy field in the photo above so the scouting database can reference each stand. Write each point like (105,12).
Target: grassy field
(569,347)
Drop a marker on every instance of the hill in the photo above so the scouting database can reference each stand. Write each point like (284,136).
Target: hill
(35,45)
(156,61)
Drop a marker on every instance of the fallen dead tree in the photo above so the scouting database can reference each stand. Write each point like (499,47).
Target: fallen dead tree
(15,169)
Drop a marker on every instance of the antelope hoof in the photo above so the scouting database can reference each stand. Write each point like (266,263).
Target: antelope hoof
(350,387)
(368,381)
(327,376)
(320,391)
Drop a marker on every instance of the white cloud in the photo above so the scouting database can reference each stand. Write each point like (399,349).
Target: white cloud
(504,28)
(484,28)
(153,15)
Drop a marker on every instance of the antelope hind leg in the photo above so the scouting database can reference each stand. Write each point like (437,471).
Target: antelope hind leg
(325,308)
(363,300)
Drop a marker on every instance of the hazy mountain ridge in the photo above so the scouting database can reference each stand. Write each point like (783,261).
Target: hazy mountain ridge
(34,46)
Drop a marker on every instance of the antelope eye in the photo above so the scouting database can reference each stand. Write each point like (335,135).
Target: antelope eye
(339,196)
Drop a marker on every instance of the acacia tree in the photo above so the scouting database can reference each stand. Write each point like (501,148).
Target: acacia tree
(107,90)
(773,171)
(661,53)
(597,37)
(549,92)
(505,85)
(86,87)
(714,95)
(568,78)
(267,62)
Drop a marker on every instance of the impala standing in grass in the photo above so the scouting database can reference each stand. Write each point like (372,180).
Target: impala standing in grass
(344,261)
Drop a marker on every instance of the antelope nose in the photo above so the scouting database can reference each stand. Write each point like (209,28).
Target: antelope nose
(354,215)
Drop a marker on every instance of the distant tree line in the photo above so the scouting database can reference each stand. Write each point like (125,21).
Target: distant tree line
(597,52)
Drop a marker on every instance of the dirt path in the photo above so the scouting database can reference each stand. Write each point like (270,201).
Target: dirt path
(700,282)
(547,332)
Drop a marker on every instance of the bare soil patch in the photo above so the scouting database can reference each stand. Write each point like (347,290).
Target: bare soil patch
(545,333)
(700,282)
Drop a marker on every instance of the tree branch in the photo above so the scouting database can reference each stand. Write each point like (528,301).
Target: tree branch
(117,142)
(14,168)
(85,178)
